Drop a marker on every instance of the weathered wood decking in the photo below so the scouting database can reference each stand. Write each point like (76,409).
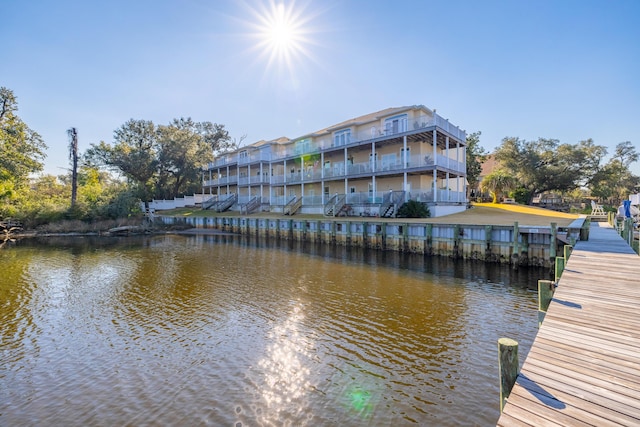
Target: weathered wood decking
(584,365)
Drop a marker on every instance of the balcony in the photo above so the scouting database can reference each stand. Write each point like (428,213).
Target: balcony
(412,125)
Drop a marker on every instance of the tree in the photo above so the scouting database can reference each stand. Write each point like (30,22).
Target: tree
(497,183)
(22,150)
(547,165)
(134,154)
(614,182)
(161,161)
(476,156)
(626,154)
(73,156)
(185,147)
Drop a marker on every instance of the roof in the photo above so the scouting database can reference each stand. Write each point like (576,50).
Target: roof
(372,117)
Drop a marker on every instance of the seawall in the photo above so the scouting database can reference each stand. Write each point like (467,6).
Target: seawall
(508,244)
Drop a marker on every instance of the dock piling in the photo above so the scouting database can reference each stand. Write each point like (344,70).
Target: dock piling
(508,362)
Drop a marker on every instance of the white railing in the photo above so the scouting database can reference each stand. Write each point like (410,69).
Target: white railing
(376,132)
(178,202)
(280,200)
(312,200)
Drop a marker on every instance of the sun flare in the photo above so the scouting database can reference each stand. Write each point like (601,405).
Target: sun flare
(282,33)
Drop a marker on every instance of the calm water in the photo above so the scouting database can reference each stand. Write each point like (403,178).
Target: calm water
(223,331)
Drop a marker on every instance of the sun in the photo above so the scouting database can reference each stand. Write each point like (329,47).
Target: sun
(282,33)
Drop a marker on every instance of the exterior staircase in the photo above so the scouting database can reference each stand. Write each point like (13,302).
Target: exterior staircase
(292,207)
(251,206)
(390,204)
(335,205)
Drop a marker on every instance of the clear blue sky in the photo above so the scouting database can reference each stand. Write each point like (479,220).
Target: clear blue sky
(560,69)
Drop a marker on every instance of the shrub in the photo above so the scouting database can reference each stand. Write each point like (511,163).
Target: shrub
(414,209)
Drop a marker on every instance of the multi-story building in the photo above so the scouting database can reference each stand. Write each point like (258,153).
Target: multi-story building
(367,166)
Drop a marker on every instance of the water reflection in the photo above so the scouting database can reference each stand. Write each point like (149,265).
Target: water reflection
(218,330)
(285,372)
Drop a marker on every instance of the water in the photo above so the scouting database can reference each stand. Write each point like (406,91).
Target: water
(225,331)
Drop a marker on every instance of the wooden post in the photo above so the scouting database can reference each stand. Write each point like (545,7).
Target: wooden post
(365,234)
(515,255)
(333,231)
(567,252)
(508,361)
(545,295)
(559,267)
(487,242)
(429,240)
(552,243)
(384,236)
(405,236)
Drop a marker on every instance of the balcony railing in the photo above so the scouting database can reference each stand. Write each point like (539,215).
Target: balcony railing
(375,132)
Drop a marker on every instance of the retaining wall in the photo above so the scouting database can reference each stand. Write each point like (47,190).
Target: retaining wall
(527,246)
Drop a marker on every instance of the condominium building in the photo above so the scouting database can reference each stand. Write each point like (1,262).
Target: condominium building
(366,166)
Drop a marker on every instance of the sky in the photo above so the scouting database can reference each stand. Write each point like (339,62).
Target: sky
(561,69)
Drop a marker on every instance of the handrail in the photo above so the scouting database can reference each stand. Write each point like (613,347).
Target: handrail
(207,204)
(328,206)
(225,204)
(390,203)
(250,206)
(293,206)
(335,204)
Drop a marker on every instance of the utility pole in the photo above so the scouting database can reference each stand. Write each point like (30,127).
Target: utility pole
(73,156)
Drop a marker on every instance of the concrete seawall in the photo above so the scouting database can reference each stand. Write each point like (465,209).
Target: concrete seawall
(515,244)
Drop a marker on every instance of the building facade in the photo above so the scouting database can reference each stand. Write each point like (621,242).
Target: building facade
(366,166)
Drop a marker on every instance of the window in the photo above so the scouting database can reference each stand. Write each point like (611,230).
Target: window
(244,154)
(352,190)
(342,137)
(303,146)
(388,161)
(395,124)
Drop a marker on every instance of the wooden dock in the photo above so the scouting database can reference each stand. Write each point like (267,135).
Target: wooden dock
(583,368)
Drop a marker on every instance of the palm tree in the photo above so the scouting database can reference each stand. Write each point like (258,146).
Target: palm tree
(497,183)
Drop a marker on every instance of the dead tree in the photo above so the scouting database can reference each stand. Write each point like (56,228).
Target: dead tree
(73,156)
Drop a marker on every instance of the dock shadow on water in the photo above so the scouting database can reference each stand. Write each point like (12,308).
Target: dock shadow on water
(231,330)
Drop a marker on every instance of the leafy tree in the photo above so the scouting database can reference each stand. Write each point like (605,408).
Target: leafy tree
(185,147)
(614,182)
(476,156)
(161,161)
(547,165)
(22,150)
(134,154)
(626,154)
(497,183)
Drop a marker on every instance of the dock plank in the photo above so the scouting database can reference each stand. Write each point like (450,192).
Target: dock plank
(584,365)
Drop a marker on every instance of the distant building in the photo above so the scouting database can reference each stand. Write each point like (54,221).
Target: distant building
(366,166)
(488,166)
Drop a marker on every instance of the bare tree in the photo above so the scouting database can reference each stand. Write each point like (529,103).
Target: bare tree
(73,156)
